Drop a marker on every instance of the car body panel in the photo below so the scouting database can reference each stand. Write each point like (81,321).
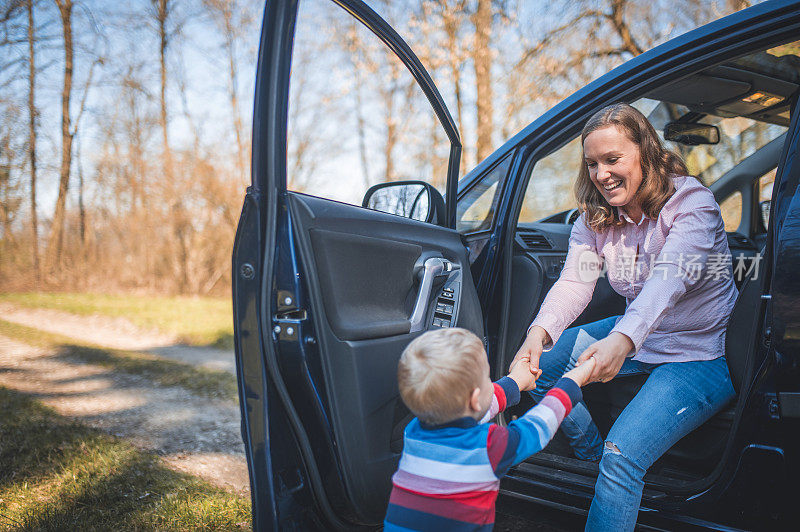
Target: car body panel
(303,473)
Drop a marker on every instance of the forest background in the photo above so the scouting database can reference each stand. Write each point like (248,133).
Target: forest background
(125,127)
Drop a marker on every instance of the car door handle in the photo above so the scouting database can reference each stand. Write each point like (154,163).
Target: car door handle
(432,268)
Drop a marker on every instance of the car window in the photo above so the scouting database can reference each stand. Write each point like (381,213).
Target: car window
(550,187)
(476,208)
(731,208)
(356,115)
(765,183)
(739,138)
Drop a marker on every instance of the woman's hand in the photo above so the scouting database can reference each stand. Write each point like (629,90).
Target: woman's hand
(532,349)
(609,354)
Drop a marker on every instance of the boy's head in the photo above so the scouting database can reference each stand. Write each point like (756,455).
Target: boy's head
(444,375)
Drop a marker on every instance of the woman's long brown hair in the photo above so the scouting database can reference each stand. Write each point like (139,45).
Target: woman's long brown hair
(658,166)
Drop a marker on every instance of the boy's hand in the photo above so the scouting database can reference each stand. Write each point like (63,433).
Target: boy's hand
(523,374)
(580,374)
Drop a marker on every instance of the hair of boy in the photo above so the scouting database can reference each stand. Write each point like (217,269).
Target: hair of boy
(438,371)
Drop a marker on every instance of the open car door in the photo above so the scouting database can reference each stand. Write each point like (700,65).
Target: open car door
(326,297)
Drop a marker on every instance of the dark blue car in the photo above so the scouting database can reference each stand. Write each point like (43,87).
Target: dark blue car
(327,294)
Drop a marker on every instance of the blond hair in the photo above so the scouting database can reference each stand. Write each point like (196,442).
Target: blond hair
(658,166)
(438,371)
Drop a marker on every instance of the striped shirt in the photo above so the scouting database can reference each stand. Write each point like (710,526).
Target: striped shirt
(449,474)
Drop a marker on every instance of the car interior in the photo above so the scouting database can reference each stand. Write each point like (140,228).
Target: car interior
(749,100)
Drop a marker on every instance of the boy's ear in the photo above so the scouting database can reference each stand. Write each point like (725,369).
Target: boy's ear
(475,400)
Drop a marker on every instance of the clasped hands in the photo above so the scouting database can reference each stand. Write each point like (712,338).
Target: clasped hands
(605,356)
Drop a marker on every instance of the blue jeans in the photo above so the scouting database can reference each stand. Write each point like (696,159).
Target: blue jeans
(676,398)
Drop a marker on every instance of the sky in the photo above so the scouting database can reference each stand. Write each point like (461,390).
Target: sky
(121,36)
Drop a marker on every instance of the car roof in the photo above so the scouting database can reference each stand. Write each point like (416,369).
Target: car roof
(757,86)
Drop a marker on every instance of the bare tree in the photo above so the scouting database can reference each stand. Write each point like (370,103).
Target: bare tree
(55,244)
(179,217)
(482,60)
(224,12)
(32,138)
(162,13)
(447,52)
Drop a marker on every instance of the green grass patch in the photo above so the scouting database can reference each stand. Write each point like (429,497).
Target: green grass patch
(202,381)
(194,320)
(56,474)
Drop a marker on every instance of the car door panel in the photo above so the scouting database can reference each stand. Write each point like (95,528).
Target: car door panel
(352,270)
(359,268)
(323,296)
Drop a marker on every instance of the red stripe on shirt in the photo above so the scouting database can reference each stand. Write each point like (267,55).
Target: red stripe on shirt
(562,396)
(500,394)
(496,444)
(472,508)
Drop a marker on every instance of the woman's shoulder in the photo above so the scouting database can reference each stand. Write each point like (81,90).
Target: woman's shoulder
(690,194)
(581,231)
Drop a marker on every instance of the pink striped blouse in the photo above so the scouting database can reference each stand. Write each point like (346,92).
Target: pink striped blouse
(674,272)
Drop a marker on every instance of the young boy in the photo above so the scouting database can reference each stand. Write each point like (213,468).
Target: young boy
(452,462)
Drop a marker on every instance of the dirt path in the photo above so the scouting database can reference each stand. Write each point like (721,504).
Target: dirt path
(117,333)
(193,434)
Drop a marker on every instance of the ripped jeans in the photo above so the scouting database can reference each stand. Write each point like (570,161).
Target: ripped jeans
(675,399)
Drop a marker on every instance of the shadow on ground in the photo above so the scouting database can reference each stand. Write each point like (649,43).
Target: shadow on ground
(56,474)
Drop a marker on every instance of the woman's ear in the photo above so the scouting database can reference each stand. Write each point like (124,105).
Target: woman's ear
(475,400)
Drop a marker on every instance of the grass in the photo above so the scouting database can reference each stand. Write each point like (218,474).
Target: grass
(194,320)
(56,474)
(202,381)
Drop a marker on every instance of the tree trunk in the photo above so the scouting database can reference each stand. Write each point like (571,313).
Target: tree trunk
(162,13)
(737,5)
(81,208)
(238,129)
(55,245)
(482,60)
(617,18)
(454,60)
(32,140)
(390,120)
(171,189)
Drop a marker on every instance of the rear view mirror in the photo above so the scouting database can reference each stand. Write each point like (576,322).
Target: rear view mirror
(691,133)
(411,199)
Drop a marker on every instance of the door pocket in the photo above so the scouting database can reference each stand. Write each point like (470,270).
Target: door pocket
(366,283)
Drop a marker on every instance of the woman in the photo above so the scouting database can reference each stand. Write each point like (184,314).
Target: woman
(661,237)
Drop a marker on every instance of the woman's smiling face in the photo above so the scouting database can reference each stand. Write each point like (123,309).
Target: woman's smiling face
(614,167)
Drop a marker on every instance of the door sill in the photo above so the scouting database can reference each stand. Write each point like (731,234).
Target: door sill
(583,474)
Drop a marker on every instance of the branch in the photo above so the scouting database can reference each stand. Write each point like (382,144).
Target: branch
(82,107)
(617,18)
(545,41)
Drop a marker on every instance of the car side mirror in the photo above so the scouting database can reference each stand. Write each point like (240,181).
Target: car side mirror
(417,200)
(691,133)
(765,206)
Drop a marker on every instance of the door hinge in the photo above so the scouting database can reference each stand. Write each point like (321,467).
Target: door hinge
(286,301)
(287,324)
(298,314)
(288,317)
